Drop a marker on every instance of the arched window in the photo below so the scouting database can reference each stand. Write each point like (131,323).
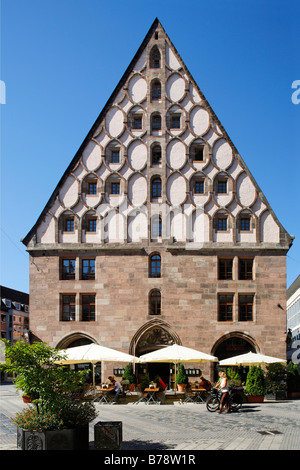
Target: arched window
(156,154)
(156,90)
(154,58)
(156,122)
(155,187)
(155,265)
(155,303)
(156,227)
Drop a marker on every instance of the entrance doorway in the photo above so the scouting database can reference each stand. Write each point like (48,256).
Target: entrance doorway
(159,369)
(230,347)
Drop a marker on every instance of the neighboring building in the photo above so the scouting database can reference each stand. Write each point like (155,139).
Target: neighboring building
(14,314)
(157,232)
(293,320)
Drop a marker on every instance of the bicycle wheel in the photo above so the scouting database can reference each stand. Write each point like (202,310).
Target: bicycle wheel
(236,402)
(213,404)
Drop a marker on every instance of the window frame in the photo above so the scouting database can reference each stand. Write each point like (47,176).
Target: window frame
(246,315)
(156,226)
(71,314)
(69,224)
(155,302)
(155,265)
(115,184)
(156,187)
(244,272)
(91,314)
(225,316)
(91,275)
(228,271)
(70,276)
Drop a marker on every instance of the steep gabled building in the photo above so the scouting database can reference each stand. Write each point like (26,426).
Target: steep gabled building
(157,232)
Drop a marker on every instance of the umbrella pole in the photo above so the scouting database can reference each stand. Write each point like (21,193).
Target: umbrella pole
(93,375)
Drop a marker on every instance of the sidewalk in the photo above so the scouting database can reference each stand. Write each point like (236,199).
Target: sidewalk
(183,427)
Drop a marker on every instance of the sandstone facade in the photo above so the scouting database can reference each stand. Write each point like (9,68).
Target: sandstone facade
(159,176)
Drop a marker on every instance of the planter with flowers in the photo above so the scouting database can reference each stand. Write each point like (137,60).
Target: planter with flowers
(54,420)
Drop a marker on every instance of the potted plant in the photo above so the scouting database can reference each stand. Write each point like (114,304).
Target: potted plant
(276,385)
(255,385)
(54,420)
(181,379)
(293,381)
(130,376)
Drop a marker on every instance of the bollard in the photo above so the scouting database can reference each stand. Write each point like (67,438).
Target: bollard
(108,435)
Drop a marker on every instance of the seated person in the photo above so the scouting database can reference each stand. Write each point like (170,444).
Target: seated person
(109,380)
(117,387)
(204,383)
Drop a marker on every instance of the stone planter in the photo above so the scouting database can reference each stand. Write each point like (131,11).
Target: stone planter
(255,398)
(62,439)
(108,435)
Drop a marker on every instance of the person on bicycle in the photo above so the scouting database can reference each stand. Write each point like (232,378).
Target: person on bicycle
(223,386)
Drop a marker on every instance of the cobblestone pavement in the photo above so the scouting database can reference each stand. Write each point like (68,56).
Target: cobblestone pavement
(183,427)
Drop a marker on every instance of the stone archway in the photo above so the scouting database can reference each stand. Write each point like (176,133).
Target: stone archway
(75,339)
(155,334)
(233,344)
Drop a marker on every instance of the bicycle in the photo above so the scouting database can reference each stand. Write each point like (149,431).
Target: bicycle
(213,401)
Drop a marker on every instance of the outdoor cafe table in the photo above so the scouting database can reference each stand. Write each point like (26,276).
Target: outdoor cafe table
(152,395)
(199,392)
(105,394)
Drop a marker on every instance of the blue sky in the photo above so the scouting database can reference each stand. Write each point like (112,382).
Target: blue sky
(62,59)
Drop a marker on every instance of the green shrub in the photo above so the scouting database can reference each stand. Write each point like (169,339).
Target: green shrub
(181,377)
(255,383)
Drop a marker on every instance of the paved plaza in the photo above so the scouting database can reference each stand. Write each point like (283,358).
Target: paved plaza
(182,427)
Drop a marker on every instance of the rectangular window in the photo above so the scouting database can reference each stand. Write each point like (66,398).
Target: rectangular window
(199,187)
(245,269)
(225,307)
(246,307)
(222,186)
(222,224)
(92,188)
(88,269)
(245,223)
(68,308)
(69,225)
(92,225)
(175,121)
(115,188)
(137,122)
(67,269)
(115,156)
(88,307)
(225,268)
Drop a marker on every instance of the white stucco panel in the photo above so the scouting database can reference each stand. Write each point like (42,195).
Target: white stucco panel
(114,122)
(137,155)
(137,88)
(175,87)
(222,154)
(176,154)
(171,59)
(176,189)
(137,227)
(46,230)
(91,156)
(68,194)
(245,190)
(199,120)
(269,230)
(137,190)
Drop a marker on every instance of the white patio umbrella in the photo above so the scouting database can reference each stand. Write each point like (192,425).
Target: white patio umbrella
(93,353)
(177,354)
(251,359)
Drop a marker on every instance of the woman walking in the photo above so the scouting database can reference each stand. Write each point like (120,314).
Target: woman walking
(223,386)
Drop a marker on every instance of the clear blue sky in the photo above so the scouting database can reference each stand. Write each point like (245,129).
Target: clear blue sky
(61,60)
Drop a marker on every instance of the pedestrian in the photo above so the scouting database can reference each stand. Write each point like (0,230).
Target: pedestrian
(223,386)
